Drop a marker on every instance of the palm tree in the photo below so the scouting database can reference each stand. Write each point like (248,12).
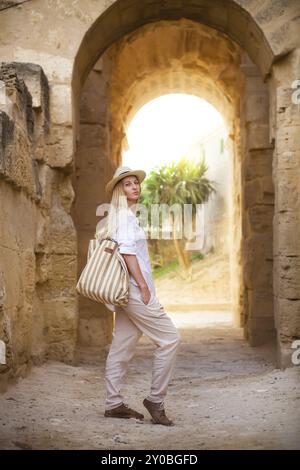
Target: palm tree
(181,182)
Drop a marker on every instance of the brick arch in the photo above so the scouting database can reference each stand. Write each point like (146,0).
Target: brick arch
(172,57)
(125,16)
(273,49)
(184,55)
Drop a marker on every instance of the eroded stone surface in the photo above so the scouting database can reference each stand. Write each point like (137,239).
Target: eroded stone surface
(66,99)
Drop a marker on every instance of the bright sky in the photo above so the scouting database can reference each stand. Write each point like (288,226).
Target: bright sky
(163,129)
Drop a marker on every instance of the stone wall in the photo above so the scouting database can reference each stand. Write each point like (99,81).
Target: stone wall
(37,238)
(257,208)
(66,39)
(285,118)
(93,170)
(191,58)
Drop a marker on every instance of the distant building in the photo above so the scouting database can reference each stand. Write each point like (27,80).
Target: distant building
(216,211)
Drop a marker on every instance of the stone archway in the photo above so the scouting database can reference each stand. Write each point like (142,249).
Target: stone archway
(186,56)
(275,65)
(123,17)
(44,73)
(183,55)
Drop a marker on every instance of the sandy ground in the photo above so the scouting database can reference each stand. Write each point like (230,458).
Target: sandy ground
(224,395)
(208,282)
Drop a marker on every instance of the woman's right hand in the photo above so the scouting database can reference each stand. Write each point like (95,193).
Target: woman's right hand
(146,294)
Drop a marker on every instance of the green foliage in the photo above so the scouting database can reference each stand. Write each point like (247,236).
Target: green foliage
(197,257)
(174,265)
(181,182)
(177,183)
(158,272)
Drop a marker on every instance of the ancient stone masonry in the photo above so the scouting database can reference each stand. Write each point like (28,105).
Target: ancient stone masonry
(18,130)
(265,241)
(93,165)
(73,74)
(4,4)
(258,209)
(286,173)
(37,300)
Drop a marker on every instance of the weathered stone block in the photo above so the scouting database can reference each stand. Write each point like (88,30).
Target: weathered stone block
(286,233)
(258,275)
(92,109)
(261,304)
(284,355)
(61,328)
(61,317)
(283,98)
(62,232)
(59,150)
(260,219)
(288,160)
(288,184)
(93,137)
(62,276)
(6,131)
(258,255)
(38,87)
(61,104)
(288,319)
(66,192)
(261,330)
(17,164)
(46,177)
(4,4)
(253,193)
(95,331)
(258,163)
(18,93)
(258,136)
(38,337)
(259,191)
(257,108)
(28,275)
(288,277)
(288,116)
(288,138)
(43,267)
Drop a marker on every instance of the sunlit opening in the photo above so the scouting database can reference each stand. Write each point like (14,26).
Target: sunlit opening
(166,128)
(187,279)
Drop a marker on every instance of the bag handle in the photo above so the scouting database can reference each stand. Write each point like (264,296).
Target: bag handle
(106,238)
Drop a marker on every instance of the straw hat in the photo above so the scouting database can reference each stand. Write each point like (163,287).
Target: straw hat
(120,173)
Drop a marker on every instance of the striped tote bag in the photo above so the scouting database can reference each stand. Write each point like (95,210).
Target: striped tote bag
(105,277)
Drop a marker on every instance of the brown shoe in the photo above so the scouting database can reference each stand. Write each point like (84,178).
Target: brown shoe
(123,411)
(157,412)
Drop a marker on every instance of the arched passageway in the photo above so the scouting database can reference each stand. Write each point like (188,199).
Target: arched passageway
(74,74)
(184,56)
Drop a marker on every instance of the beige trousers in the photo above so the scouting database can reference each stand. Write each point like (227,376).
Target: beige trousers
(131,322)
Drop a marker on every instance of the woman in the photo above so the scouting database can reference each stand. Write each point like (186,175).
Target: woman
(143,313)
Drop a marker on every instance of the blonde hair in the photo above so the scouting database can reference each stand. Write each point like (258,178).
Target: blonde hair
(118,204)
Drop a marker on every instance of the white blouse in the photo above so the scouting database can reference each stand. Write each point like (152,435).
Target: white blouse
(132,240)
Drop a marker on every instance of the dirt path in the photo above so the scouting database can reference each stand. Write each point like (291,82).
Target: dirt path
(209,283)
(224,395)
